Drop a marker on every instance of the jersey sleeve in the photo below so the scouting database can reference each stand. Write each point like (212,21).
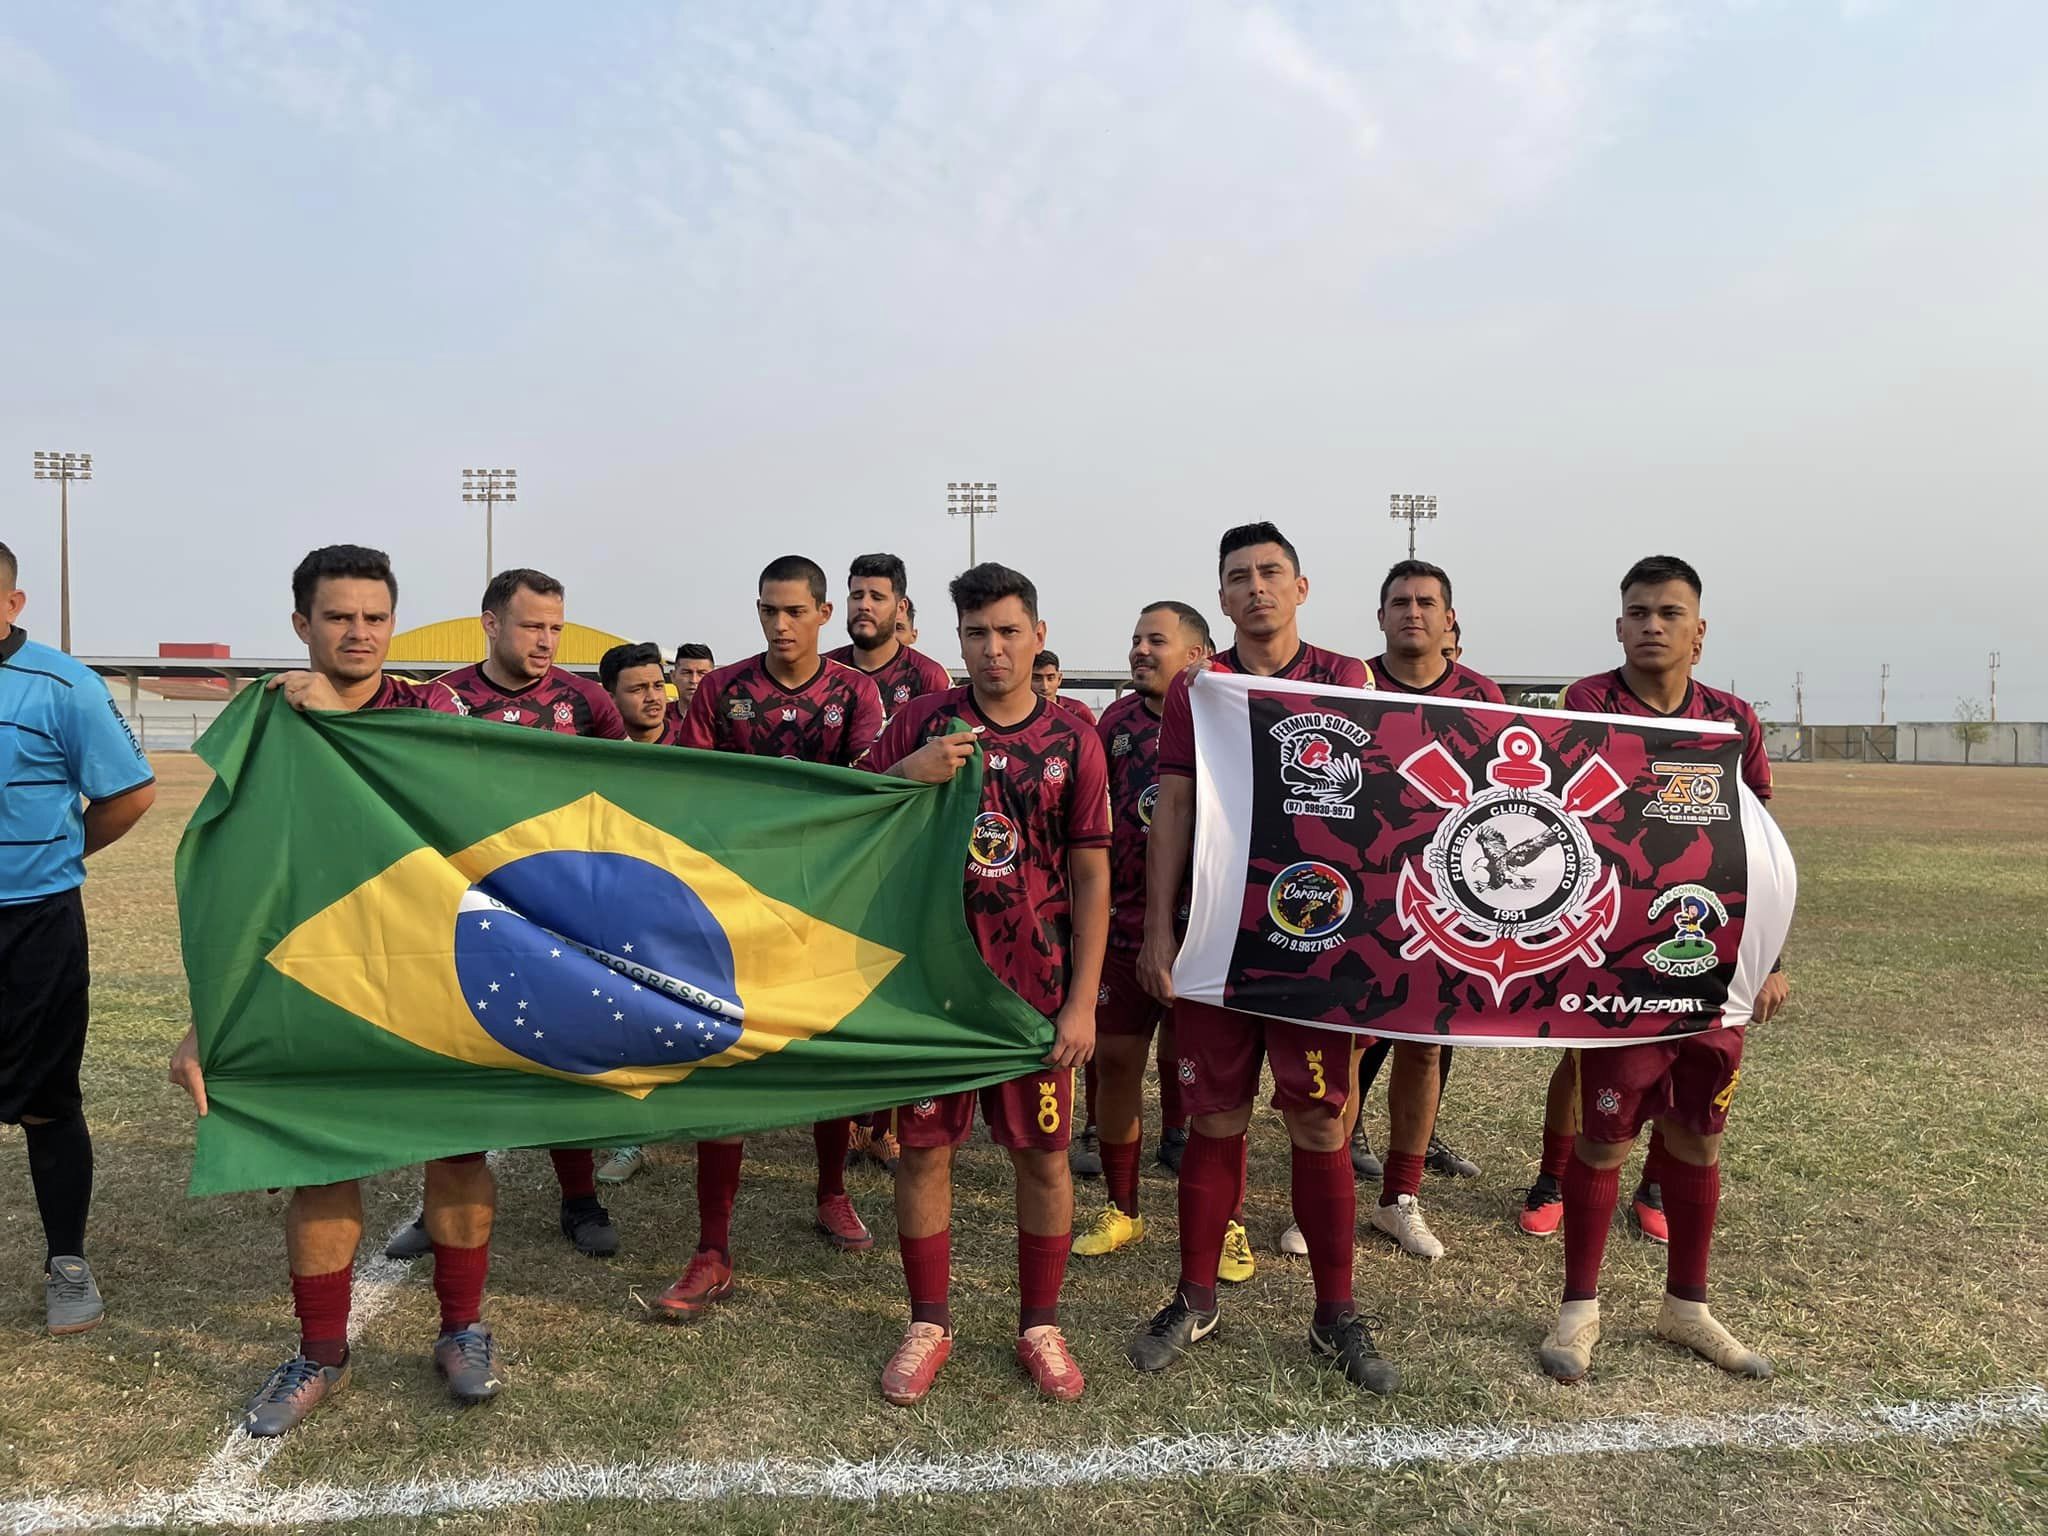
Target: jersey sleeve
(606,723)
(932,678)
(698,730)
(866,725)
(1177,732)
(1489,691)
(1756,762)
(903,735)
(1350,672)
(438,697)
(1088,804)
(103,756)
(1584,697)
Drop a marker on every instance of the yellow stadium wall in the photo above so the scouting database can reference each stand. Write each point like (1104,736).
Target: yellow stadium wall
(462,640)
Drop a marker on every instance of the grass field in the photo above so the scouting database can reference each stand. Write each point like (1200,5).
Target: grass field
(1881,1240)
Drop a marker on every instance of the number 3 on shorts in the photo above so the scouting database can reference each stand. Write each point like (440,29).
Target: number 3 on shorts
(1314,1059)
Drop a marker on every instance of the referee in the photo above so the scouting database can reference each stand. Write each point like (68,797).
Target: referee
(61,740)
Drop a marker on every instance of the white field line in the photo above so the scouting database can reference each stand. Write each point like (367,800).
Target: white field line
(1152,1460)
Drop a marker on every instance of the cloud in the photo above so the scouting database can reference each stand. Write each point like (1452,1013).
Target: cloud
(1277,46)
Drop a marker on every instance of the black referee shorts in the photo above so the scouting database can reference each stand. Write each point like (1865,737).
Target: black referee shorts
(43,978)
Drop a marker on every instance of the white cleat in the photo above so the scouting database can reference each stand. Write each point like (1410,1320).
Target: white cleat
(1690,1325)
(1567,1352)
(1292,1243)
(1402,1221)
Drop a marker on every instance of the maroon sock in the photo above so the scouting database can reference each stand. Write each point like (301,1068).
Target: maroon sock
(1088,1079)
(928,1273)
(718,1184)
(1041,1266)
(1590,1195)
(1692,1196)
(1171,1115)
(831,1138)
(1326,1210)
(459,1283)
(321,1301)
(576,1172)
(1557,1153)
(1210,1188)
(1402,1176)
(1120,1173)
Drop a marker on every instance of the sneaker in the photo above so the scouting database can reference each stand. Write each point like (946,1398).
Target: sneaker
(1441,1159)
(1292,1243)
(1110,1231)
(294,1390)
(842,1225)
(706,1282)
(1691,1326)
(1403,1222)
(1043,1353)
(1567,1350)
(1175,1329)
(1646,1213)
(1085,1155)
(885,1150)
(589,1226)
(468,1359)
(915,1366)
(621,1165)
(1363,1164)
(71,1300)
(1349,1342)
(1542,1207)
(410,1242)
(1173,1146)
(1237,1264)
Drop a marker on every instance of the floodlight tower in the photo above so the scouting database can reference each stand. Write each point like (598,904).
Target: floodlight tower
(970,499)
(63,468)
(490,486)
(1884,684)
(1994,687)
(1412,510)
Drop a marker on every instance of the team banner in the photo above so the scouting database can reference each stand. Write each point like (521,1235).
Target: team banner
(410,935)
(1440,870)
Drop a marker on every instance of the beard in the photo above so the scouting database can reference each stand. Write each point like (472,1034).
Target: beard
(874,640)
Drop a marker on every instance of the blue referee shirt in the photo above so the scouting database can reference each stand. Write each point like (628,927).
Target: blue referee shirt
(60,737)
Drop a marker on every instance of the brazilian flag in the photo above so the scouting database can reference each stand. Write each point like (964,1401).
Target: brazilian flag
(409,935)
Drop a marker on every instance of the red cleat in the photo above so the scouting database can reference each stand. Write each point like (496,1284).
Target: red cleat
(705,1283)
(1647,1210)
(1044,1354)
(841,1223)
(1543,1209)
(915,1366)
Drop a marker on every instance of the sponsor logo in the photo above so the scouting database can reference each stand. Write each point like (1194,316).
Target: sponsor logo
(739,709)
(788,714)
(1120,744)
(510,714)
(834,714)
(993,845)
(564,715)
(998,761)
(1689,796)
(1148,797)
(1309,901)
(1608,1102)
(1573,1002)
(925,1107)
(1055,769)
(1321,774)
(1509,885)
(1187,1070)
(902,694)
(1690,951)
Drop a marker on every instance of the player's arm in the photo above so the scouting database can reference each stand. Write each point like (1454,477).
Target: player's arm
(185,1072)
(1073,1035)
(864,730)
(303,690)
(108,767)
(110,820)
(699,730)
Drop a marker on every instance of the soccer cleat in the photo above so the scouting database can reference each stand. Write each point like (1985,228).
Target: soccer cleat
(1403,1222)
(886,1151)
(1109,1232)
(915,1366)
(1542,1207)
(1292,1243)
(1441,1159)
(1175,1329)
(1349,1342)
(1690,1325)
(410,1242)
(705,1283)
(1567,1350)
(468,1360)
(589,1226)
(1363,1164)
(71,1298)
(842,1225)
(1084,1157)
(293,1391)
(1646,1211)
(1236,1265)
(1173,1146)
(1043,1353)
(621,1165)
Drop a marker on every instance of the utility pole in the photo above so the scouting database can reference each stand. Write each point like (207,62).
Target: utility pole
(490,486)
(971,499)
(63,468)
(1994,687)
(1799,695)
(1412,509)
(1884,684)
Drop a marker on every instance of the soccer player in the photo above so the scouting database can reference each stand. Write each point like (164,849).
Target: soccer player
(1681,1085)
(1045,682)
(75,781)
(344,599)
(906,621)
(875,597)
(631,674)
(1169,638)
(1037,896)
(786,702)
(518,683)
(694,662)
(1262,590)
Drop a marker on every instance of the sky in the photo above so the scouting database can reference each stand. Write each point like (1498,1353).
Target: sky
(1754,283)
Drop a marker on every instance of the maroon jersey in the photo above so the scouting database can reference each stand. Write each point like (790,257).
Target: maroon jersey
(905,676)
(1130,742)
(1310,664)
(1607,693)
(1044,792)
(671,729)
(832,718)
(560,702)
(1075,707)
(1456,682)
(399,693)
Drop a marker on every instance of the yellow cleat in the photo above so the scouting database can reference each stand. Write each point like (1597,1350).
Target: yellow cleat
(1111,1230)
(1236,1266)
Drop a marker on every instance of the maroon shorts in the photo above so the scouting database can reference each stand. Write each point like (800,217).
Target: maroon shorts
(1689,1080)
(1026,1113)
(1123,1007)
(1220,1052)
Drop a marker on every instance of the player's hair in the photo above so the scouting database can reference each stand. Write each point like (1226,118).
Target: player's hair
(1191,620)
(984,585)
(694,650)
(889,567)
(1655,570)
(1245,535)
(634,653)
(498,595)
(1047,659)
(342,560)
(1457,633)
(910,609)
(9,569)
(795,568)
(1404,570)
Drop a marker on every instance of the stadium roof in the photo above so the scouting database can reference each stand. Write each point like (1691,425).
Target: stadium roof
(463,641)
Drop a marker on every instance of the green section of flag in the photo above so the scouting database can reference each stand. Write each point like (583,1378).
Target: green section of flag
(359,892)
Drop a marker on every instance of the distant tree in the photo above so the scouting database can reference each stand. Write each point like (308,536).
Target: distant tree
(1972,729)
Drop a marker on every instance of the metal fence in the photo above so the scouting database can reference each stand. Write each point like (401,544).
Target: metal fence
(163,731)
(2003,744)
